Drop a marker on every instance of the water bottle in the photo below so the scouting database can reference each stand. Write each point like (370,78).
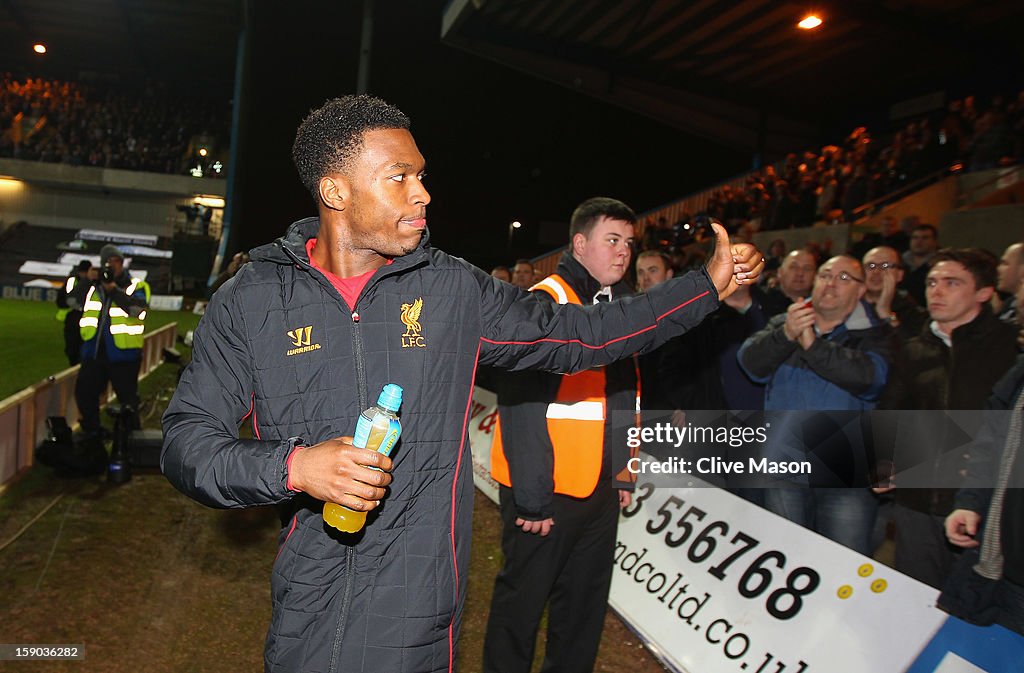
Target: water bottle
(377,429)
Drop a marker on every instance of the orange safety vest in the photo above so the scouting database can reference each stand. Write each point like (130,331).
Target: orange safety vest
(575,420)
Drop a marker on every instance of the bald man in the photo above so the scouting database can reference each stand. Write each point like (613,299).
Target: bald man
(1011,272)
(883,272)
(796,276)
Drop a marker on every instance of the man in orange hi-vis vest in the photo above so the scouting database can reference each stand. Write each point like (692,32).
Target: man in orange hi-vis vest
(563,477)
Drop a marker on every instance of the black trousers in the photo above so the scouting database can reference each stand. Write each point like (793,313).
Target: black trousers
(73,337)
(922,550)
(92,381)
(571,567)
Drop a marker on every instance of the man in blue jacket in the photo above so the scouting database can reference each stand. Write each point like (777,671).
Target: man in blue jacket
(829,354)
(303,338)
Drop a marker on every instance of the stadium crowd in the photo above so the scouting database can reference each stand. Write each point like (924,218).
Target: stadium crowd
(830,184)
(99,125)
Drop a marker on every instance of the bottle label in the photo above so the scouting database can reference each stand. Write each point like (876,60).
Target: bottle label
(362,433)
(394,430)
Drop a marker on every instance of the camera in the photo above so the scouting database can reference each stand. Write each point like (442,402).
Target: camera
(692,230)
(107,273)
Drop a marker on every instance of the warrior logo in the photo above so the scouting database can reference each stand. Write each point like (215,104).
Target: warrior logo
(301,340)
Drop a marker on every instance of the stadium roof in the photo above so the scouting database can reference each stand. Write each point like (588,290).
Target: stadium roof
(162,40)
(728,69)
(737,72)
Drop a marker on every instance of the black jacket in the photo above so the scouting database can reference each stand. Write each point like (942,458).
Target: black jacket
(523,398)
(930,376)
(983,467)
(699,370)
(910,314)
(388,599)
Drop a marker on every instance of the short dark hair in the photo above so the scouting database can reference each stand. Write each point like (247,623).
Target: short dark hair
(590,211)
(333,133)
(523,261)
(927,227)
(980,263)
(656,253)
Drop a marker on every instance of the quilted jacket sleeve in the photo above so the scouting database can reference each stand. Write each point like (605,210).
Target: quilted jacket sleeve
(202,454)
(522,331)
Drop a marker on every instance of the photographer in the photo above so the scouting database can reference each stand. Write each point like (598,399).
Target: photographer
(112,334)
(69,307)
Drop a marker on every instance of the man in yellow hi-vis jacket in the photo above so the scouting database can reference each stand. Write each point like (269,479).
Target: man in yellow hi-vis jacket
(70,300)
(112,334)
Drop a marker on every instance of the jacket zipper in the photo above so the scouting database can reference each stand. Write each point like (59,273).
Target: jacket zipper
(345,599)
(357,348)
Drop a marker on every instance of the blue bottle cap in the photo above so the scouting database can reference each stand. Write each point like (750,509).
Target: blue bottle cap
(391,397)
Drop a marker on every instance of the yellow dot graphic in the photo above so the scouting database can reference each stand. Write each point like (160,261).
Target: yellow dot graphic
(878,586)
(865,570)
(845,591)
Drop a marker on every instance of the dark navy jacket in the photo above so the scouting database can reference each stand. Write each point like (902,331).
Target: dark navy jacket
(845,370)
(389,599)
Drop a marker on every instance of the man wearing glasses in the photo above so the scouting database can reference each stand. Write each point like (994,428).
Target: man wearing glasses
(831,354)
(883,272)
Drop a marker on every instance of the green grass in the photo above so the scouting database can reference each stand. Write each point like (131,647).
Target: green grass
(32,341)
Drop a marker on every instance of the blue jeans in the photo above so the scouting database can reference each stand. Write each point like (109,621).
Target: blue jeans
(845,515)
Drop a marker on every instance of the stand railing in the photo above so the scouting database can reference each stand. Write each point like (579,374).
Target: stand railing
(23,415)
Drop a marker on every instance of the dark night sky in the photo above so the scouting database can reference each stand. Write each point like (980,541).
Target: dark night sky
(500,145)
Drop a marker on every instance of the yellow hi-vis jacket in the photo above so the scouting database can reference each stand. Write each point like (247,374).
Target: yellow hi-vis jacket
(126,330)
(575,420)
(69,286)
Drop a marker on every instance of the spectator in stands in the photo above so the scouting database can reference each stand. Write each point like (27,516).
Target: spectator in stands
(828,193)
(663,370)
(699,370)
(652,267)
(992,143)
(894,235)
(52,121)
(112,334)
(856,193)
(522,274)
(924,242)
(776,252)
(833,355)
(890,234)
(502,273)
(70,301)
(796,275)
(882,275)
(785,206)
(952,364)
(1011,272)
(992,495)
